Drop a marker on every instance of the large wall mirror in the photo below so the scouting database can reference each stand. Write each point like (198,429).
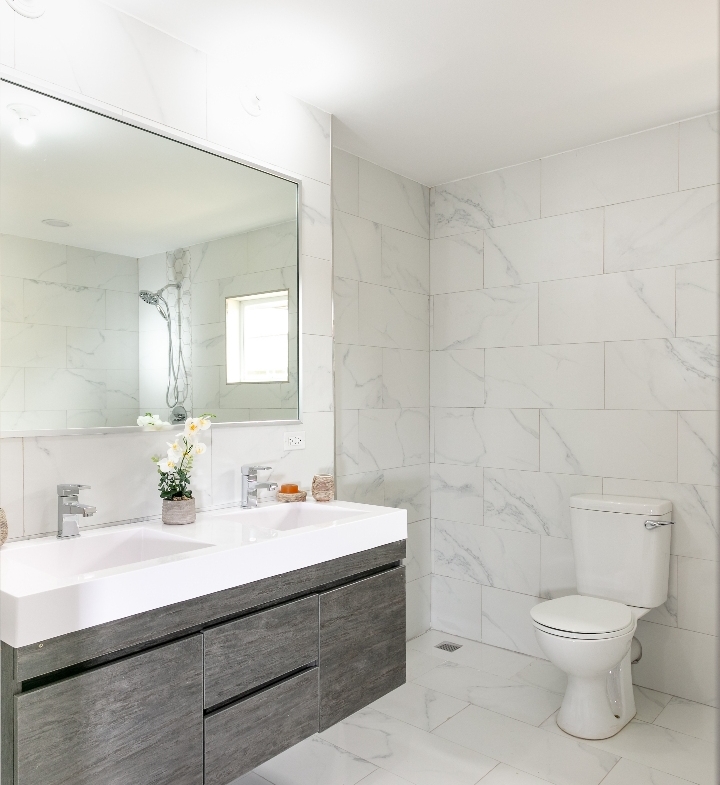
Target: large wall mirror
(139,274)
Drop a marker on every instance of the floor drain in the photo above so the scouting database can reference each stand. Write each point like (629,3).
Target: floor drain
(449,646)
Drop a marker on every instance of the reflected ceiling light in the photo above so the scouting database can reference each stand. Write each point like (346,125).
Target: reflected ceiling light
(24,132)
(250,101)
(30,8)
(58,223)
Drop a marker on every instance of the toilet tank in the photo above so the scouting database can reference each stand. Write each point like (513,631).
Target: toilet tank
(616,556)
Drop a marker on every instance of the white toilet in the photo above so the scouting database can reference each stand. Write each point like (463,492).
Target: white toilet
(622,560)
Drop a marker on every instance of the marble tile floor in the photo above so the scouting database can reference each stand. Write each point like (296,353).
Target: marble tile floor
(487,715)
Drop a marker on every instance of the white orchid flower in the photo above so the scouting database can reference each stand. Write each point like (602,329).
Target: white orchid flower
(204,423)
(192,427)
(175,456)
(167,465)
(199,448)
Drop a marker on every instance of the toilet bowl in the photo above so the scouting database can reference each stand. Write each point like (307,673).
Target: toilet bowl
(589,639)
(621,546)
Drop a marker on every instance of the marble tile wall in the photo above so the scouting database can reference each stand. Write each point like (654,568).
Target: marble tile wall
(574,349)
(68,340)
(382,354)
(171,87)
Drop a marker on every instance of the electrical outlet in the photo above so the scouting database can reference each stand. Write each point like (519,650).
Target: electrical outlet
(294,441)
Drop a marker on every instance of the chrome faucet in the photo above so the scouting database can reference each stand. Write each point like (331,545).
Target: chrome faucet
(69,508)
(250,484)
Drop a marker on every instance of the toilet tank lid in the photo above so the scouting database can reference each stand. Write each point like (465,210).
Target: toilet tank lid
(632,505)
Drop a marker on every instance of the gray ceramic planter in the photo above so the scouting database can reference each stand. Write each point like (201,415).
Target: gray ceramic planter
(178,511)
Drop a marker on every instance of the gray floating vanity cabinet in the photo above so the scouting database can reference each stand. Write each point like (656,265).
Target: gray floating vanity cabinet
(205,690)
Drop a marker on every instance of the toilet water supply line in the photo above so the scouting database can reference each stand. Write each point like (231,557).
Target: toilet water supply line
(177,391)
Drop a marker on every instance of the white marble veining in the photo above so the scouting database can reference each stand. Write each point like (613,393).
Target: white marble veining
(567,246)
(358,376)
(457,492)
(697,604)
(390,438)
(615,307)
(494,199)
(695,512)
(364,488)
(405,379)
(672,373)
(413,754)
(393,318)
(666,654)
(101,270)
(672,229)
(393,200)
(313,761)
(38,260)
(456,263)
(506,316)
(316,275)
(561,376)
(405,261)
(457,377)
(317,374)
(65,305)
(698,447)
(33,345)
(505,438)
(564,761)
(316,219)
(11,485)
(346,442)
(699,144)
(667,613)
(506,621)
(536,502)
(696,298)
(408,488)
(640,445)
(11,299)
(632,167)
(345,181)
(690,718)
(419,705)
(510,697)
(627,772)
(101,348)
(456,607)
(493,557)
(357,244)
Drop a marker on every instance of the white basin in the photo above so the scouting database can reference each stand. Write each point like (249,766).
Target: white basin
(51,587)
(103,550)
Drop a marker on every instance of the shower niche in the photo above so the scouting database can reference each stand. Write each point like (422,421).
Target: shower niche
(139,274)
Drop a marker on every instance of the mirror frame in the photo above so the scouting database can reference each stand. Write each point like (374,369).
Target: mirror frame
(58,93)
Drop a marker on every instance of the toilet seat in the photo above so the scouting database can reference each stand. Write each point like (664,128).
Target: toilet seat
(584,618)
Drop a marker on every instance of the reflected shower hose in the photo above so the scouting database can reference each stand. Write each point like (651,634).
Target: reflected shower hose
(177,391)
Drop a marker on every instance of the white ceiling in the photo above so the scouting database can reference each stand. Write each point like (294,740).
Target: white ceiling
(124,190)
(443,89)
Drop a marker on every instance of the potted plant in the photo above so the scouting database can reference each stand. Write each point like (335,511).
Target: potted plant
(174,469)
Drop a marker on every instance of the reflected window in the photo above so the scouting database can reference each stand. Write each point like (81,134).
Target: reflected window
(257,327)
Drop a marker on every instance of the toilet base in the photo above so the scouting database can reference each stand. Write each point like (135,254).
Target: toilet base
(598,707)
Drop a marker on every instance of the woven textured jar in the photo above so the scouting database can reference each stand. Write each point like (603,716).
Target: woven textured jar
(176,512)
(323,487)
(3,526)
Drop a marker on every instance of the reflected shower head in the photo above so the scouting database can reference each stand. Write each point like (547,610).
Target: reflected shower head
(149,297)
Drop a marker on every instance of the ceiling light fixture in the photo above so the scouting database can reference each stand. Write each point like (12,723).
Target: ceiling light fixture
(58,223)
(30,8)
(24,132)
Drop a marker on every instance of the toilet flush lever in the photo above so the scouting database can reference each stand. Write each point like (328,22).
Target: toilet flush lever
(655,524)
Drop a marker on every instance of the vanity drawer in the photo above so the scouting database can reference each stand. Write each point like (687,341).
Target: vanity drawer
(247,733)
(245,654)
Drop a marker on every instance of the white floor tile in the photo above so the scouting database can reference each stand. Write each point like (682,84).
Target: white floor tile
(506,775)
(694,719)
(412,754)
(314,762)
(511,698)
(562,761)
(660,748)
(251,778)
(649,703)
(417,663)
(419,706)
(501,662)
(544,674)
(382,777)
(628,772)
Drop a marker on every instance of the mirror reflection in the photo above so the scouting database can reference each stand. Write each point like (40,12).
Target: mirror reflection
(139,274)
